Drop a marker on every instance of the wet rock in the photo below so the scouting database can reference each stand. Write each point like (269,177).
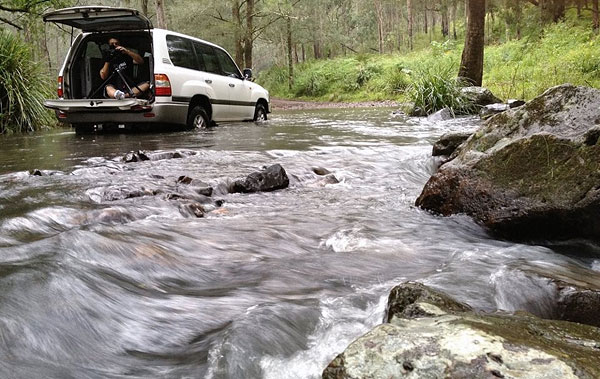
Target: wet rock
(527,173)
(101,195)
(441,115)
(184,180)
(270,179)
(138,156)
(329,179)
(448,143)
(431,335)
(492,109)
(192,209)
(321,171)
(513,103)
(205,191)
(37,172)
(480,96)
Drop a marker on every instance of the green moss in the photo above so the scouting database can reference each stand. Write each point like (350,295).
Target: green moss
(571,342)
(544,167)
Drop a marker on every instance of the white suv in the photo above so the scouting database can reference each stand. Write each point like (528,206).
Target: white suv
(193,83)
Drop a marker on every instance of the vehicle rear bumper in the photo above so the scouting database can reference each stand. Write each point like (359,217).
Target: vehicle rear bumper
(158,113)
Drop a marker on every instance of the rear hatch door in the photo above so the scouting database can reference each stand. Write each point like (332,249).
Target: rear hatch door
(99,105)
(99,18)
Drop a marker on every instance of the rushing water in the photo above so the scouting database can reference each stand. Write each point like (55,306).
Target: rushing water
(271,285)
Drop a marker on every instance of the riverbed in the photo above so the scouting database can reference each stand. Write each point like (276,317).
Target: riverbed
(98,283)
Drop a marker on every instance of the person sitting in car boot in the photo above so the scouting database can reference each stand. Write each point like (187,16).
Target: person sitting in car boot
(122,59)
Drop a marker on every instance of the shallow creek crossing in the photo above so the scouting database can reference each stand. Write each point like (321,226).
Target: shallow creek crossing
(95,283)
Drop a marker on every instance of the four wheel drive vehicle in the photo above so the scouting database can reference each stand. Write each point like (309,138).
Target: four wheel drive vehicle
(192,82)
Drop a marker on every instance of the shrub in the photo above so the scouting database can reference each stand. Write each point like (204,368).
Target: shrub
(22,87)
(434,88)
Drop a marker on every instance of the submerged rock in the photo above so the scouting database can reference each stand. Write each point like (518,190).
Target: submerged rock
(270,179)
(529,173)
(448,143)
(441,115)
(431,335)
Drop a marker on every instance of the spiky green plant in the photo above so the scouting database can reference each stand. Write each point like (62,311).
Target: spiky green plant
(22,87)
(436,87)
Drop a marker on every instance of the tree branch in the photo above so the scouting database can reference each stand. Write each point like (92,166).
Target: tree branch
(6,21)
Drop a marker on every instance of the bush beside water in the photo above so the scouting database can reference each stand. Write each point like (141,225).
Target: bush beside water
(23,88)
(561,53)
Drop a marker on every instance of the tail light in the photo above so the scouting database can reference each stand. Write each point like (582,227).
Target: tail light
(59,89)
(162,85)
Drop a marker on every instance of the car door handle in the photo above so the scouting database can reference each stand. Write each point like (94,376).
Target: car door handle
(208,81)
(231,85)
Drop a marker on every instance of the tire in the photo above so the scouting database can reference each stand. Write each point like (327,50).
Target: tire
(198,119)
(260,114)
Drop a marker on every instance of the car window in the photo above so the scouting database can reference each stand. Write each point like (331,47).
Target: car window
(207,57)
(181,52)
(229,68)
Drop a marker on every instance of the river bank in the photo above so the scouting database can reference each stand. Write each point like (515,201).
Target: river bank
(285,104)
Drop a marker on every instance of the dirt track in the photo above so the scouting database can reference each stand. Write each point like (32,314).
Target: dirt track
(281,104)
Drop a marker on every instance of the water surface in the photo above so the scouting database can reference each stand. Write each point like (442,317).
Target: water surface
(96,283)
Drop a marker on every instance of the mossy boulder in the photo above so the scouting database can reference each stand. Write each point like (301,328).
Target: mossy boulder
(528,173)
(444,339)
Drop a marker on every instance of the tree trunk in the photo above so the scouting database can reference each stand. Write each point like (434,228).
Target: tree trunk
(445,20)
(288,25)
(558,10)
(410,23)
(237,33)
(596,15)
(161,19)
(144,6)
(471,65)
(249,37)
(379,17)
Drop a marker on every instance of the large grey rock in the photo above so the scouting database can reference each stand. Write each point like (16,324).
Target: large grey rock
(529,173)
(481,96)
(440,338)
(270,179)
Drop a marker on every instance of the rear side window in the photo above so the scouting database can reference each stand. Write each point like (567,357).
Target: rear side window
(229,68)
(207,57)
(181,52)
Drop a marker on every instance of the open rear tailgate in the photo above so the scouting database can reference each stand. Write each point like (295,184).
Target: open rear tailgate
(99,18)
(106,105)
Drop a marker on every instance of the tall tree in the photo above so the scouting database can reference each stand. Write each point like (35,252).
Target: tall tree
(161,19)
(471,65)
(411,20)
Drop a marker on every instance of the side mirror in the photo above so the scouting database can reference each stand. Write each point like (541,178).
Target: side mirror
(248,73)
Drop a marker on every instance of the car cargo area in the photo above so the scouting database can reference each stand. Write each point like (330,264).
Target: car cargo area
(82,74)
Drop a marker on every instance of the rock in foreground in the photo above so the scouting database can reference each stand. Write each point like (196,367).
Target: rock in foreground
(529,173)
(432,336)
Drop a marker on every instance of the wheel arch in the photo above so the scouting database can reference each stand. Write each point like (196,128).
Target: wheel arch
(204,102)
(265,103)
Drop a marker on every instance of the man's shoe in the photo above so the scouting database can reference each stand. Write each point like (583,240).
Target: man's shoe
(119,95)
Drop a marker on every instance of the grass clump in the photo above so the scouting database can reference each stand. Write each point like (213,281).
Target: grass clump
(22,87)
(436,88)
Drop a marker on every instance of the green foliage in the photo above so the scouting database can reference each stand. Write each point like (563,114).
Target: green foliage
(436,87)
(22,87)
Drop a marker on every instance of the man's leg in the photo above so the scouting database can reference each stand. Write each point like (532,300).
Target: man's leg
(140,88)
(110,91)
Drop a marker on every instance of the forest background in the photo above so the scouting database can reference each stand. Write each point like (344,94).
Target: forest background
(346,50)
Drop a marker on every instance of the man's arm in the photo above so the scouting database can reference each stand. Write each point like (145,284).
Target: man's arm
(137,59)
(104,70)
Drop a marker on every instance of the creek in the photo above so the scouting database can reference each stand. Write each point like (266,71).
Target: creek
(269,285)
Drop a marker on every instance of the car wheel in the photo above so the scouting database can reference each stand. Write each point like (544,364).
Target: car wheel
(198,119)
(260,114)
